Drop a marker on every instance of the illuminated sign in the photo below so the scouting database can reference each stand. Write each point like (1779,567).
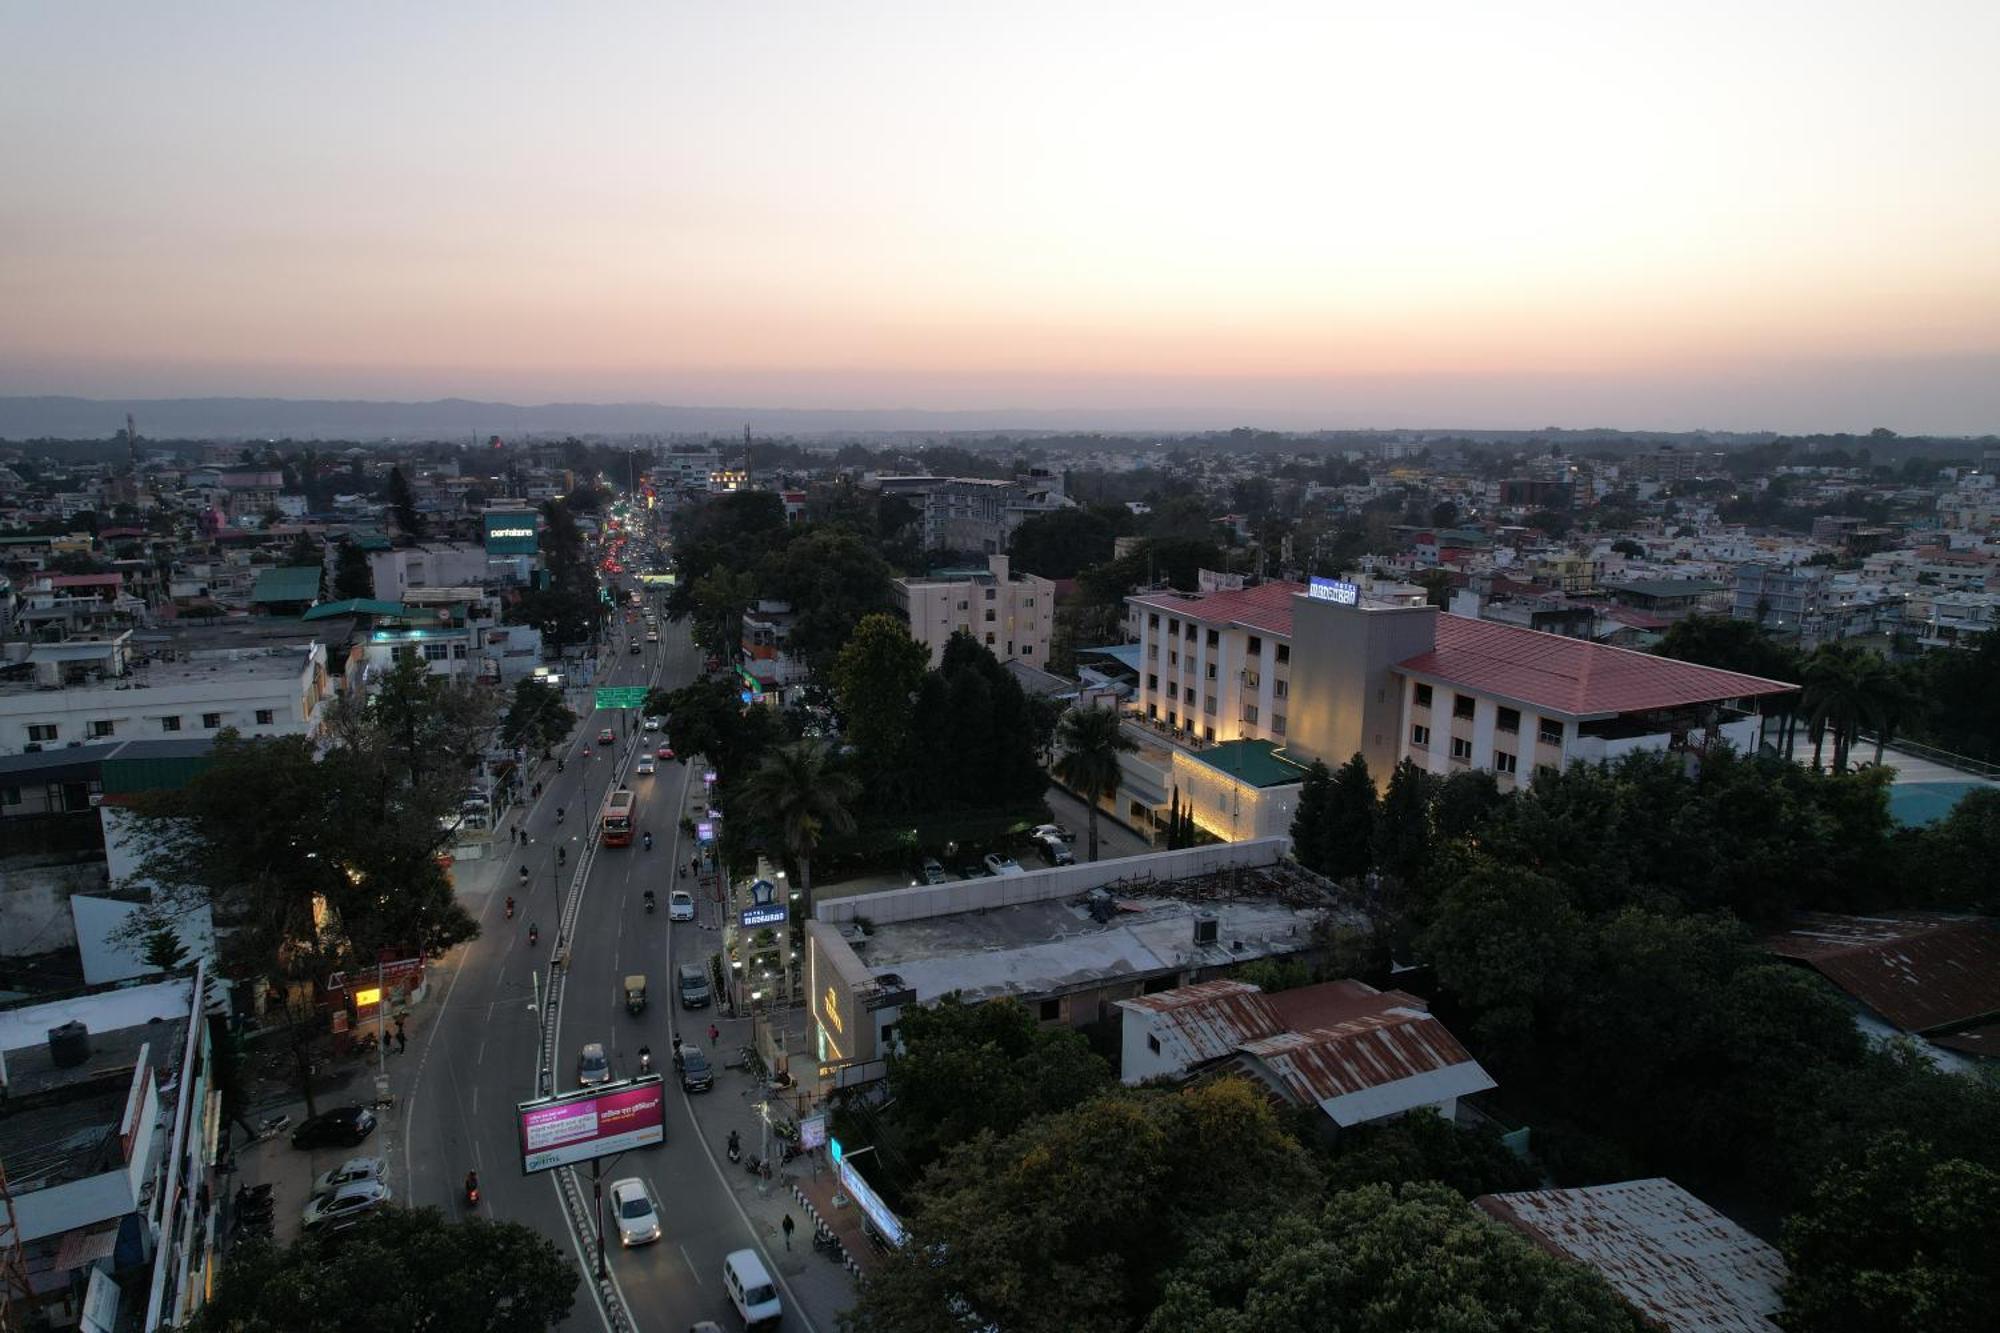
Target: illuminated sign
(704,831)
(511,534)
(864,1194)
(829,1009)
(812,1131)
(577,1126)
(1337,591)
(370,996)
(773,915)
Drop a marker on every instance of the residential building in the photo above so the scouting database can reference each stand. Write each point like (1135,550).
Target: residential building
(110,1129)
(767,646)
(1668,599)
(973,514)
(1676,1261)
(1013,614)
(1669,464)
(437,565)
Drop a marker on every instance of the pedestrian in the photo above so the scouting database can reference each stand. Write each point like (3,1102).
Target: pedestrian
(714,1034)
(788,1231)
(402,1042)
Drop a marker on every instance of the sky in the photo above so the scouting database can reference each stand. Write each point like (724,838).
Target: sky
(1729,215)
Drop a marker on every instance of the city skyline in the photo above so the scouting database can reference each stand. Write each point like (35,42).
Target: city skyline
(1278,215)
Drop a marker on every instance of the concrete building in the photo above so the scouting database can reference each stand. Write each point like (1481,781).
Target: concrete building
(767,646)
(59,694)
(110,1127)
(1013,614)
(973,514)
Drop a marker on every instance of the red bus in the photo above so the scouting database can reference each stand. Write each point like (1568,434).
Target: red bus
(616,825)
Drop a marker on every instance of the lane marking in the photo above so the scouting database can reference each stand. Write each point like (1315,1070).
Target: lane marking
(693,1272)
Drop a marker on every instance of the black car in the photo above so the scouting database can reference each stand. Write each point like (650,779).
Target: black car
(696,1076)
(343,1126)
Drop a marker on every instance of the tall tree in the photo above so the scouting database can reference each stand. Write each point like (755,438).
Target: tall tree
(1062,543)
(1403,829)
(875,679)
(1091,741)
(352,577)
(537,717)
(799,797)
(1313,818)
(404,504)
(1351,816)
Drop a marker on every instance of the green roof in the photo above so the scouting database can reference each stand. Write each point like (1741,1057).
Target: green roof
(354,606)
(371,541)
(1256,763)
(287,583)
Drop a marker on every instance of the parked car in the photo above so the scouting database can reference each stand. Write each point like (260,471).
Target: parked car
(342,1127)
(996,864)
(637,1213)
(592,1065)
(605,736)
(973,870)
(932,871)
(644,768)
(696,1075)
(1055,851)
(349,1171)
(345,1206)
(680,905)
(1051,831)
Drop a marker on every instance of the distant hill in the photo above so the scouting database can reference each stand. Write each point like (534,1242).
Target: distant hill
(451,418)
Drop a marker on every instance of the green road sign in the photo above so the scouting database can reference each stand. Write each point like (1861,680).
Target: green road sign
(621,696)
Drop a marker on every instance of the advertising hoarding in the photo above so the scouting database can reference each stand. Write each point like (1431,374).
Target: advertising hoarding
(595,1122)
(1333,590)
(511,534)
(885,1222)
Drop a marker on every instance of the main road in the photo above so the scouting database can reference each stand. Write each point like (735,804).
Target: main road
(481,1054)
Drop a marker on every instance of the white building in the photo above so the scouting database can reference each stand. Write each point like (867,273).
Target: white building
(1012,614)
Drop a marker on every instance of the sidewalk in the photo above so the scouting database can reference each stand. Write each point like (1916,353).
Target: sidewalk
(823,1285)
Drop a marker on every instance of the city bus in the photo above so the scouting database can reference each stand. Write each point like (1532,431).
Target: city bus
(616,824)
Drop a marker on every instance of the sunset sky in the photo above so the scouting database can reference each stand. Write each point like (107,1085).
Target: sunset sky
(1730,215)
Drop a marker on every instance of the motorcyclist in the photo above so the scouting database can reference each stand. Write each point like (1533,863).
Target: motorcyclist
(649,900)
(645,1059)
(559,814)
(735,1146)
(648,839)
(534,932)
(510,907)
(562,855)
(472,1187)
(524,878)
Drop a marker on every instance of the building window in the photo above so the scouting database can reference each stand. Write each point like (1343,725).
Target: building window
(402,652)
(1280,688)
(437,652)
(210,721)
(1504,762)
(43,732)
(1284,652)
(1208,733)
(170,724)
(1277,724)
(1208,704)
(1173,718)
(1214,638)
(1152,682)
(1420,736)
(266,717)
(1211,671)
(1509,721)
(965,606)
(1152,712)
(1545,770)
(991,615)
(1152,1043)
(1173,657)
(1250,714)
(1255,647)
(1152,652)
(989,594)
(1153,621)
(1173,626)
(989,638)
(1462,705)
(1551,733)
(1051,1011)
(1187,695)
(1028,601)
(1461,749)
(1423,696)
(103,728)
(1189,635)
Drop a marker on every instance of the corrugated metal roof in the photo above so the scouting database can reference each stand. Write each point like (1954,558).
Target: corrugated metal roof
(1208,1020)
(1920,970)
(1331,1002)
(1675,1260)
(287,583)
(1983,1041)
(1570,676)
(1324,1064)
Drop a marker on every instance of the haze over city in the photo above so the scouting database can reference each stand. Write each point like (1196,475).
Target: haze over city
(1290,215)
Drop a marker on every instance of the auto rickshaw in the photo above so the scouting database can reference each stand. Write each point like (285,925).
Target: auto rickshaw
(635,993)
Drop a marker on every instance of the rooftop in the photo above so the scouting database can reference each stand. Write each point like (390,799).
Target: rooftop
(1923,971)
(1373,1065)
(354,606)
(1675,1260)
(287,583)
(1255,763)
(1266,607)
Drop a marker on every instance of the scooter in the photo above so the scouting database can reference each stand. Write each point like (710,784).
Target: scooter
(472,1189)
(735,1148)
(650,902)
(534,934)
(271,1128)
(510,909)
(648,840)
(757,1166)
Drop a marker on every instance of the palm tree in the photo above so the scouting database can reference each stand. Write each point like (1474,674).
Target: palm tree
(1091,741)
(1845,689)
(800,796)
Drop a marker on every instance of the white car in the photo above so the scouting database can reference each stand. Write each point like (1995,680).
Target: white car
(644,768)
(349,1171)
(1051,831)
(346,1205)
(997,864)
(680,905)
(652,636)
(653,724)
(638,1215)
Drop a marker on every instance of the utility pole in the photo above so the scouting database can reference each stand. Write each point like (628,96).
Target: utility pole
(597,1189)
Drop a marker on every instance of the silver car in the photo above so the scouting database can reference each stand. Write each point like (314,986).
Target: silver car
(637,1213)
(346,1206)
(592,1065)
(349,1171)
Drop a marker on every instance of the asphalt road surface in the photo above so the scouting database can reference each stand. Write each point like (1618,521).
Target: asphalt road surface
(481,1058)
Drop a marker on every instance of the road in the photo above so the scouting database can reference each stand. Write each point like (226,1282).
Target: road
(480,1057)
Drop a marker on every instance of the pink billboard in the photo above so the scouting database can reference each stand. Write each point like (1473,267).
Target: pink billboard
(577,1126)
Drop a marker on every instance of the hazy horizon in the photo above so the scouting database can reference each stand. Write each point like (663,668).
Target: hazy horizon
(1295,215)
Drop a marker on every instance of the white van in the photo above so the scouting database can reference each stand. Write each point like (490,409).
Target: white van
(751,1290)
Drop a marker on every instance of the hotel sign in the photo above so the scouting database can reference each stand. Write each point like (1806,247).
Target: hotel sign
(773,915)
(510,534)
(1337,591)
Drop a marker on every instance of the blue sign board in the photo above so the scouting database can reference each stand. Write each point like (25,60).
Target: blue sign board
(773,915)
(1337,591)
(510,534)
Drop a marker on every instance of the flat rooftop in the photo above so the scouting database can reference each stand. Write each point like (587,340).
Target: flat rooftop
(1054,945)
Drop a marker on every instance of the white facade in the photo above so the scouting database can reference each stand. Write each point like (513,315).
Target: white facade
(1012,614)
(438,566)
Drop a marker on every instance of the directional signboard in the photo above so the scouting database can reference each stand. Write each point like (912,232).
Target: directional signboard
(621,696)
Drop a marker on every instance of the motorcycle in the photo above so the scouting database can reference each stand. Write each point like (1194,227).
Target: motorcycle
(472,1189)
(757,1166)
(650,901)
(648,841)
(559,814)
(645,1059)
(735,1148)
(271,1128)
(510,909)
(788,1152)
(534,934)
(825,1242)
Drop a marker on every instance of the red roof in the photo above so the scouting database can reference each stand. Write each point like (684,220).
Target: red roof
(85,580)
(1266,607)
(1332,1002)
(1919,970)
(1563,675)
(1368,1052)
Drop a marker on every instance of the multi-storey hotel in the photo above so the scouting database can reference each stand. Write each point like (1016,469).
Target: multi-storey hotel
(1238,691)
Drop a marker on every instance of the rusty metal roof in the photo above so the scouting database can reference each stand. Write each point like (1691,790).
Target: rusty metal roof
(1348,1069)
(1209,1019)
(1923,971)
(1680,1264)
(1330,1002)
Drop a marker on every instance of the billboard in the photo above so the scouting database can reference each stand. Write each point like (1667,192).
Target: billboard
(576,1126)
(1333,590)
(511,534)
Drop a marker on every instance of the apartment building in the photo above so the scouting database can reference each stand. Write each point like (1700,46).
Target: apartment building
(1011,613)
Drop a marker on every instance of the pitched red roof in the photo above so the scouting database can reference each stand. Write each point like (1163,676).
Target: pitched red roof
(1563,675)
(1266,607)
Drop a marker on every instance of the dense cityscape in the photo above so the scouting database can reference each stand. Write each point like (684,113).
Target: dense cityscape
(1297,667)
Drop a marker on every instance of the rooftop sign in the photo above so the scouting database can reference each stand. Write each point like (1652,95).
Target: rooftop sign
(1338,591)
(510,534)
